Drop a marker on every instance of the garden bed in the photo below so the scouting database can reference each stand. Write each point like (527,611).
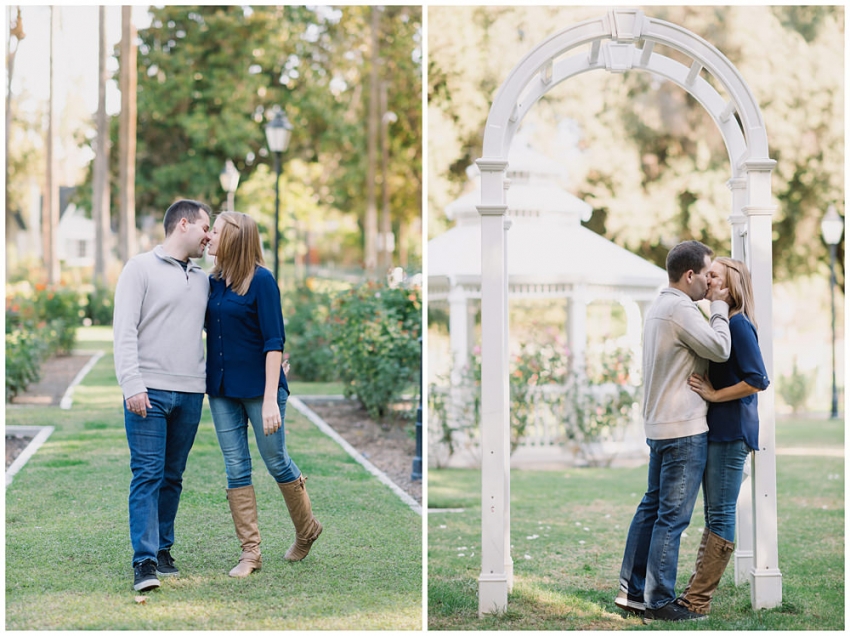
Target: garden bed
(57,373)
(389,445)
(15,445)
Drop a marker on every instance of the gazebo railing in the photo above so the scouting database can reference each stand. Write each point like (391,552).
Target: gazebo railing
(556,418)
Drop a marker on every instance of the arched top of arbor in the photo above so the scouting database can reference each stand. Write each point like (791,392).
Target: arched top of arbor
(613,41)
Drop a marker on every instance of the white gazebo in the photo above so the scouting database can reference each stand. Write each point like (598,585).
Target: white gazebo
(552,256)
(618,42)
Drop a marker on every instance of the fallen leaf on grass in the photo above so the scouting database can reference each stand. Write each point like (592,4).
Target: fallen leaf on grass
(141,599)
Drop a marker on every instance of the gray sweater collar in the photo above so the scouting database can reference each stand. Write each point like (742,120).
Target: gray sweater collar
(159,251)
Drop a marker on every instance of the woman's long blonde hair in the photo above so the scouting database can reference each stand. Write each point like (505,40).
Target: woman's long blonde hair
(740,285)
(239,251)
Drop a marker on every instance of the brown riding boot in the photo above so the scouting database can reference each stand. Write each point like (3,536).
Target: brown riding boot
(700,552)
(243,509)
(307,527)
(715,554)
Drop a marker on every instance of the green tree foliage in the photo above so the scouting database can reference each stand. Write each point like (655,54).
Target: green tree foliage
(652,162)
(209,76)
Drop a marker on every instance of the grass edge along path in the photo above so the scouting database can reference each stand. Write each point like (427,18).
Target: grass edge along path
(568,529)
(68,552)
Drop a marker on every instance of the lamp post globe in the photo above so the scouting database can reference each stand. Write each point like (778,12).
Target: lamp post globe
(278,132)
(229,179)
(832,227)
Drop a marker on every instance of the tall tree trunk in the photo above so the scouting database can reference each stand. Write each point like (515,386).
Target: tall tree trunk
(100,182)
(50,205)
(403,256)
(371,225)
(127,136)
(16,31)
(386,247)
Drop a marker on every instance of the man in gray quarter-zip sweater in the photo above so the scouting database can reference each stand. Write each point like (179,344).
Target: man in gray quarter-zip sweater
(678,341)
(160,304)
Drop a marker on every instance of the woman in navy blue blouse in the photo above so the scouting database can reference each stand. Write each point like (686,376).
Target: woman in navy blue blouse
(733,431)
(246,383)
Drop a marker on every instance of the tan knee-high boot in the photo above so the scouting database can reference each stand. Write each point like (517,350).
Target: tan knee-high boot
(307,527)
(700,553)
(243,509)
(715,554)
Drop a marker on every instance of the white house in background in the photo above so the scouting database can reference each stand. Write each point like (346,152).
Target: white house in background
(75,238)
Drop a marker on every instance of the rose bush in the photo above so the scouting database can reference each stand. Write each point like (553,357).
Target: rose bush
(590,406)
(40,321)
(308,334)
(375,332)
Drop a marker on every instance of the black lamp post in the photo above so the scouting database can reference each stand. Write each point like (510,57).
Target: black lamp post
(416,472)
(278,132)
(229,178)
(832,226)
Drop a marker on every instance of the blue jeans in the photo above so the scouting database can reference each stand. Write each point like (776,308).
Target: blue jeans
(651,557)
(159,446)
(721,484)
(231,417)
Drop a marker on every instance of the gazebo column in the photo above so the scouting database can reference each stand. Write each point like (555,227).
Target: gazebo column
(766,583)
(495,579)
(744,514)
(633,321)
(460,331)
(577,327)
(460,340)
(634,329)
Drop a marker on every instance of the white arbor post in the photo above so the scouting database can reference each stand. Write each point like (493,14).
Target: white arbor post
(495,578)
(612,41)
(766,579)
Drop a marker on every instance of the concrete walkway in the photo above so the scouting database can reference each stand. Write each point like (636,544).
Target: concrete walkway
(811,452)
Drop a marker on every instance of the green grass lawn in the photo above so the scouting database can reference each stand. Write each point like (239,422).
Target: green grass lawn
(68,554)
(316,388)
(568,530)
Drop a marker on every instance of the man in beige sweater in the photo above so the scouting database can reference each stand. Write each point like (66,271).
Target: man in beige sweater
(160,304)
(678,341)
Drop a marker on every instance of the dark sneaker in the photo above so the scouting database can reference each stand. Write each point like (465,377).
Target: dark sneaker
(165,564)
(671,612)
(629,603)
(145,576)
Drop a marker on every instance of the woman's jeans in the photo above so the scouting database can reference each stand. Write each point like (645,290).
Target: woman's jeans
(651,557)
(724,472)
(231,417)
(159,446)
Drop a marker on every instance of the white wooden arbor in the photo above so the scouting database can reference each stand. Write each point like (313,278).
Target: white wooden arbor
(614,40)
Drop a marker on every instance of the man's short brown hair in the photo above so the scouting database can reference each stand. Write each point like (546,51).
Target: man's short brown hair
(686,256)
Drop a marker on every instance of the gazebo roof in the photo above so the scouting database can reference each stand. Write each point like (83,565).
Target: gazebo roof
(549,250)
(524,199)
(547,245)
